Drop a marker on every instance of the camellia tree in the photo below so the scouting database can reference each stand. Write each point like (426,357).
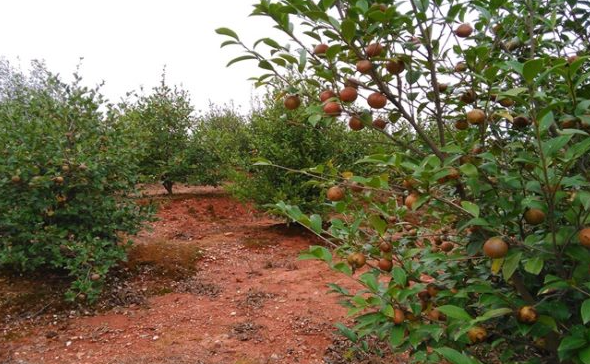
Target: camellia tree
(162,120)
(471,240)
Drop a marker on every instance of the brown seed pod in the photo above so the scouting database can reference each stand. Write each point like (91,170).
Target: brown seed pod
(477,334)
(355,123)
(395,66)
(379,123)
(357,260)
(495,248)
(377,100)
(385,247)
(327,95)
(364,66)
(385,264)
(468,97)
(461,67)
(461,124)
(527,315)
(335,193)
(584,236)
(447,246)
(320,49)
(332,109)
(374,50)
(520,121)
(292,102)
(398,316)
(411,199)
(476,116)
(534,216)
(464,30)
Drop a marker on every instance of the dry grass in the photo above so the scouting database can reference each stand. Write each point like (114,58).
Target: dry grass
(165,258)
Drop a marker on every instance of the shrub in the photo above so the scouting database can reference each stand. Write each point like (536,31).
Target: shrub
(162,121)
(66,175)
(285,141)
(471,239)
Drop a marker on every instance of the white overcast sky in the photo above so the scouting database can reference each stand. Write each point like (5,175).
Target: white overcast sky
(126,43)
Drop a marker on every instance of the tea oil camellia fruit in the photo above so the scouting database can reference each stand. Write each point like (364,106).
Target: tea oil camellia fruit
(355,123)
(398,316)
(292,102)
(461,124)
(377,100)
(395,66)
(477,334)
(506,102)
(534,216)
(320,49)
(520,121)
(364,66)
(348,94)
(95,277)
(379,123)
(385,247)
(15,179)
(327,95)
(468,97)
(464,30)
(527,315)
(461,67)
(385,264)
(335,193)
(446,246)
(357,260)
(442,87)
(584,237)
(374,50)
(59,180)
(476,116)
(495,248)
(332,109)
(411,200)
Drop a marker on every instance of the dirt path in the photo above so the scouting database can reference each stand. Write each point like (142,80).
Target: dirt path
(212,282)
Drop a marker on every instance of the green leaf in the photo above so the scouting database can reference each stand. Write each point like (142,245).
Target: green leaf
(378,224)
(454,356)
(228,32)
(586,311)
(239,59)
(493,314)
(472,208)
(316,223)
(348,333)
(584,355)
(369,280)
(469,170)
(396,336)
(399,276)
(348,29)
(570,343)
(534,265)
(455,312)
(532,69)
(510,265)
(317,252)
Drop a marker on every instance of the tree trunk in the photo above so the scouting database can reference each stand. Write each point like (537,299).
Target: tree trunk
(168,186)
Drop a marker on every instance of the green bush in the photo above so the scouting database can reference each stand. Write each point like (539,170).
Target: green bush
(162,121)
(66,174)
(286,140)
(486,260)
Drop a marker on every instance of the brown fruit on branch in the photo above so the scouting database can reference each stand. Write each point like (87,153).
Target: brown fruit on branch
(59,180)
(506,102)
(15,179)
(385,264)
(374,50)
(436,315)
(477,334)
(355,123)
(292,102)
(94,277)
(377,100)
(572,59)
(424,296)
(584,237)
(527,315)
(348,94)
(320,49)
(352,82)
(398,316)
(475,116)
(379,123)
(520,121)
(385,247)
(461,67)
(442,87)
(335,193)
(447,246)
(411,199)
(534,216)
(461,124)
(495,248)
(357,260)
(65,168)
(364,66)
(327,95)
(332,109)
(464,30)
(468,96)
(432,289)
(395,66)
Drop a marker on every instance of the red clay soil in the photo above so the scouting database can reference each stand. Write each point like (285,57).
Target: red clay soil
(213,281)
